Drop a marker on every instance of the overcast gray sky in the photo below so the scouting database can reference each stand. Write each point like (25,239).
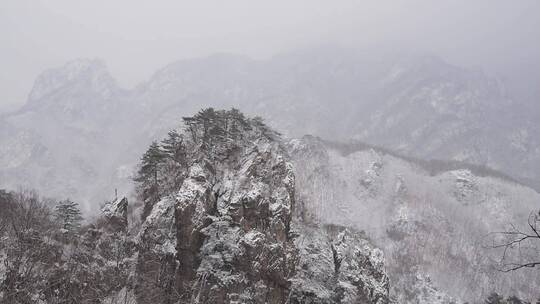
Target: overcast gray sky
(137,37)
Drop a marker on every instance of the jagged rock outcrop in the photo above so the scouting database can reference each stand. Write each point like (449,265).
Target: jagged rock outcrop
(337,265)
(226,233)
(115,215)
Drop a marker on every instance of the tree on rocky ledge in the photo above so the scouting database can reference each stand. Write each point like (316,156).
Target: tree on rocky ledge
(147,176)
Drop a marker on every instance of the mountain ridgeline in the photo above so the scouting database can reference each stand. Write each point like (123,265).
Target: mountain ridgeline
(80,135)
(217,222)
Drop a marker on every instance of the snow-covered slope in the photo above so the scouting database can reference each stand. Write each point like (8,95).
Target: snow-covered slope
(431,224)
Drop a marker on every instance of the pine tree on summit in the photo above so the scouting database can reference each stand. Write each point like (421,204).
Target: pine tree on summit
(208,117)
(148,176)
(236,121)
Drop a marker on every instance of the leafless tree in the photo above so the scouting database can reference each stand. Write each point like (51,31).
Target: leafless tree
(26,245)
(519,246)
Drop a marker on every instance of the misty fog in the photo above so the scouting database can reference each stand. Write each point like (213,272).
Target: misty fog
(269,152)
(135,37)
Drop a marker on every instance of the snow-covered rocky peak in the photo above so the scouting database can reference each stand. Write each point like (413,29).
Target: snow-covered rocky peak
(225,222)
(93,73)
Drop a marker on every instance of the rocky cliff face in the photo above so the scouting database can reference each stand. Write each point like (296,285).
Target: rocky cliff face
(337,265)
(430,219)
(230,218)
(228,233)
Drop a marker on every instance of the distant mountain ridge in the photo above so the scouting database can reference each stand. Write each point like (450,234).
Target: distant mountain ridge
(432,166)
(79,126)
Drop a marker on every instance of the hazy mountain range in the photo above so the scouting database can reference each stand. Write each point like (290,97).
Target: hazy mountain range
(79,134)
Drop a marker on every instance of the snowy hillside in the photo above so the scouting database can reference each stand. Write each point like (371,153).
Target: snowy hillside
(431,226)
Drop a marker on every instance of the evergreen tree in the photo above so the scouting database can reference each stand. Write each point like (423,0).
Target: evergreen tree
(237,122)
(149,169)
(191,125)
(208,118)
(148,176)
(173,147)
(68,215)
(175,163)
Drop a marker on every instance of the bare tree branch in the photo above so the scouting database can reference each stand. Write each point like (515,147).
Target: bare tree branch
(513,243)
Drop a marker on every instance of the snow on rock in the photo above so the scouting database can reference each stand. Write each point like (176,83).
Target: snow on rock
(157,231)
(231,219)
(115,213)
(338,265)
(465,185)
